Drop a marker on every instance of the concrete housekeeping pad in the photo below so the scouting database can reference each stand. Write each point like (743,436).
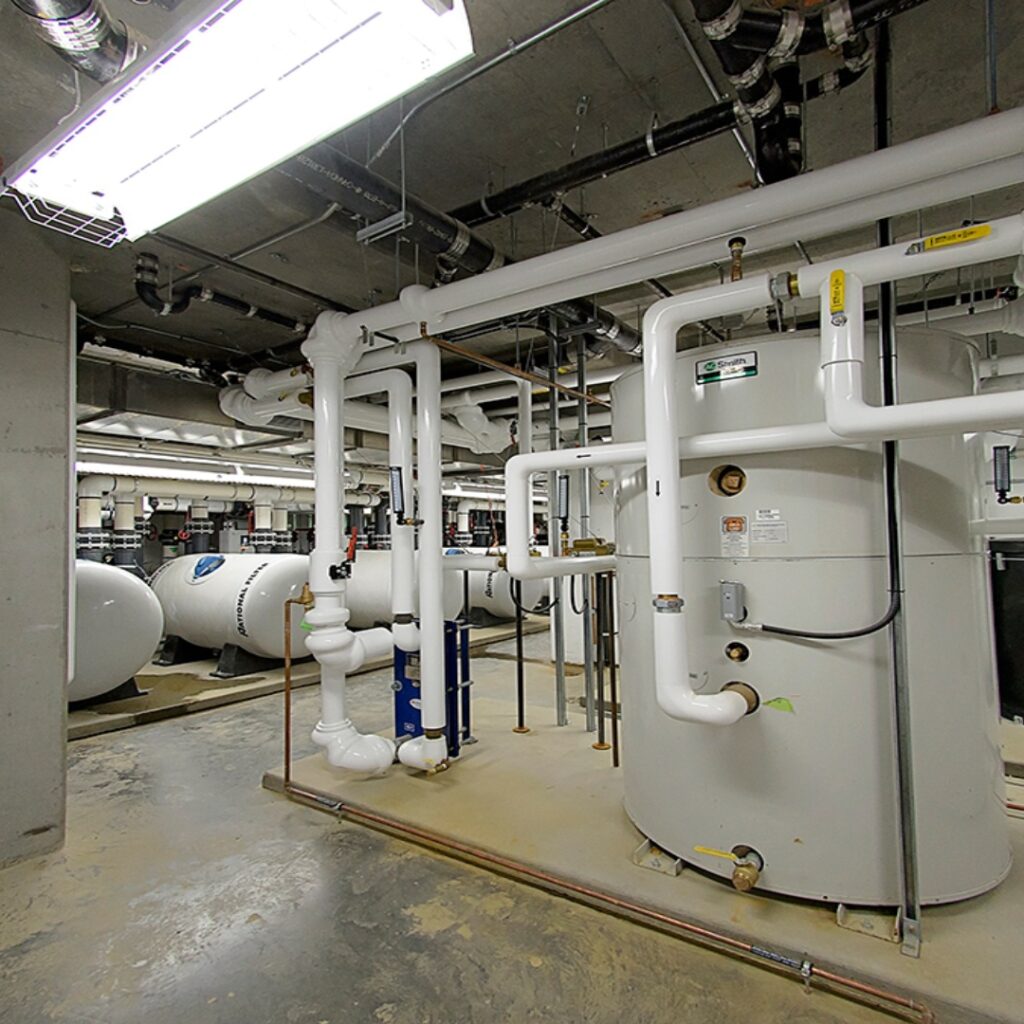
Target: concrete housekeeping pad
(550,801)
(173,690)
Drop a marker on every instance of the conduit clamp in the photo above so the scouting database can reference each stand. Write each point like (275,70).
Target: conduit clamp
(837,22)
(725,24)
(791,31)
(670,603)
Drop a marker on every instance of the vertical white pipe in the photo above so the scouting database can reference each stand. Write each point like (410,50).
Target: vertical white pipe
(398,386)
(662,323)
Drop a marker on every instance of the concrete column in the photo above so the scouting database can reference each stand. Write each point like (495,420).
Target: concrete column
(36,389)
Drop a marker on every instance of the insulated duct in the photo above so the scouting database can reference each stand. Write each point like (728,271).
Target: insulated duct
(83,34)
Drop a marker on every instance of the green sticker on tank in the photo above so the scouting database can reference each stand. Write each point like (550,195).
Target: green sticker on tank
(781,704)
(732,367)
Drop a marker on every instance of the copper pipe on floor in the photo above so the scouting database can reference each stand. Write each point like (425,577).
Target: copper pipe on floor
(806,971)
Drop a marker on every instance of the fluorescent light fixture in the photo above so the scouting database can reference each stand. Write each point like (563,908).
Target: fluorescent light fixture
(240,89)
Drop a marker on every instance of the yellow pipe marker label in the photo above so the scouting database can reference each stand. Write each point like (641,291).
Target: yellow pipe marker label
(958,237)
(837,291)
(716,853)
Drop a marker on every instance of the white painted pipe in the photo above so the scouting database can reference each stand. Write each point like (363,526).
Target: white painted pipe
(338,650)
(488,435)
(662,323)
(279,519)
(847,413)
(978,156)
(398,387)
(430,749)
(1000,366)
(261,383)
(519,514)
(124,513)
(473,563)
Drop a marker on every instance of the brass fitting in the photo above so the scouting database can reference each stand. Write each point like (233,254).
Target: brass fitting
(747,692)
(305,598)
(306,398)
(745,876)
(736,246)
(592,546)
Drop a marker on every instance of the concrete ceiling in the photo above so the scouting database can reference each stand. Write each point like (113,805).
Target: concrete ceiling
(518,120)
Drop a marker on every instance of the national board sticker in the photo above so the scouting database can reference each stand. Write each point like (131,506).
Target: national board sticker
(733,367)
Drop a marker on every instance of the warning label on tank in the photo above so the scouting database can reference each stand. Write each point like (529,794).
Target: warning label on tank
(769,533)
(710,371)
(735,537)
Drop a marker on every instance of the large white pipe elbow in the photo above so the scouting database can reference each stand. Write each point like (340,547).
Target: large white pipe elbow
(850,416)
(673,689)
(424,753)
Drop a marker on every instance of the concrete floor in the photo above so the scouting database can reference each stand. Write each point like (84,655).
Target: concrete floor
(188,893)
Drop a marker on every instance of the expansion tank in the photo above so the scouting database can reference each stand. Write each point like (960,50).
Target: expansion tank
(807,780)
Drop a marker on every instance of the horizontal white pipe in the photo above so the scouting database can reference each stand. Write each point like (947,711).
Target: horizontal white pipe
(849,415)
(518,512)
(102,486)
(473,563)
(905,259)
(773,234)
(261,383)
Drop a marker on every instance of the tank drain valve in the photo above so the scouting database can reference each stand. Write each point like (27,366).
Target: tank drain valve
(747,868)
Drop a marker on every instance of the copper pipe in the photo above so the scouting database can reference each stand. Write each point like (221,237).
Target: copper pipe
(307,600)
(513,371)
(1014,807)
(806,971)
(803,970)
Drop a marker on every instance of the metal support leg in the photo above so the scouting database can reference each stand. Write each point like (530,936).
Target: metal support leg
(558,586)
(584,485)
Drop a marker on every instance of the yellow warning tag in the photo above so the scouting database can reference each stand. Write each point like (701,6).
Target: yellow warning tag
(948,238)
(715,853)
(957,237)
(837,291)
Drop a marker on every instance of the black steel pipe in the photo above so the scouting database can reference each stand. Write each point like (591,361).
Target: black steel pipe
(702,125)
(83,34)
(334,176)
(787,33)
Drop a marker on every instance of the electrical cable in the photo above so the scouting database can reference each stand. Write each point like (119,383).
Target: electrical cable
(851,634)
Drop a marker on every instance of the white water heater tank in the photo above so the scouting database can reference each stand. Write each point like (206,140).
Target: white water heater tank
(118,625)
(808,780)
(369,591)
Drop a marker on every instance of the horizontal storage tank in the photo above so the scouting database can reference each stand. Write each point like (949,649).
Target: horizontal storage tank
(807,781)
(118,625)
(213,600)
(489,589)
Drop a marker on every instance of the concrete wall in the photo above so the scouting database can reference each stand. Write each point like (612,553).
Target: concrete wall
(36,370)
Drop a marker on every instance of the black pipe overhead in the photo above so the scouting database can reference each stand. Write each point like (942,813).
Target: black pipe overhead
(787,32)
(332,175)
(83,34)
(703,125)
(147,272)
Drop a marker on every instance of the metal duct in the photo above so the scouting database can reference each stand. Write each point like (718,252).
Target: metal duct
(83,34)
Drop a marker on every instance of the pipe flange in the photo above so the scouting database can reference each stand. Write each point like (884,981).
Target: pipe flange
(725,24)
(766,104)
(791,30)
(837,22)
(753,74)
(497,260)
(668,603)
